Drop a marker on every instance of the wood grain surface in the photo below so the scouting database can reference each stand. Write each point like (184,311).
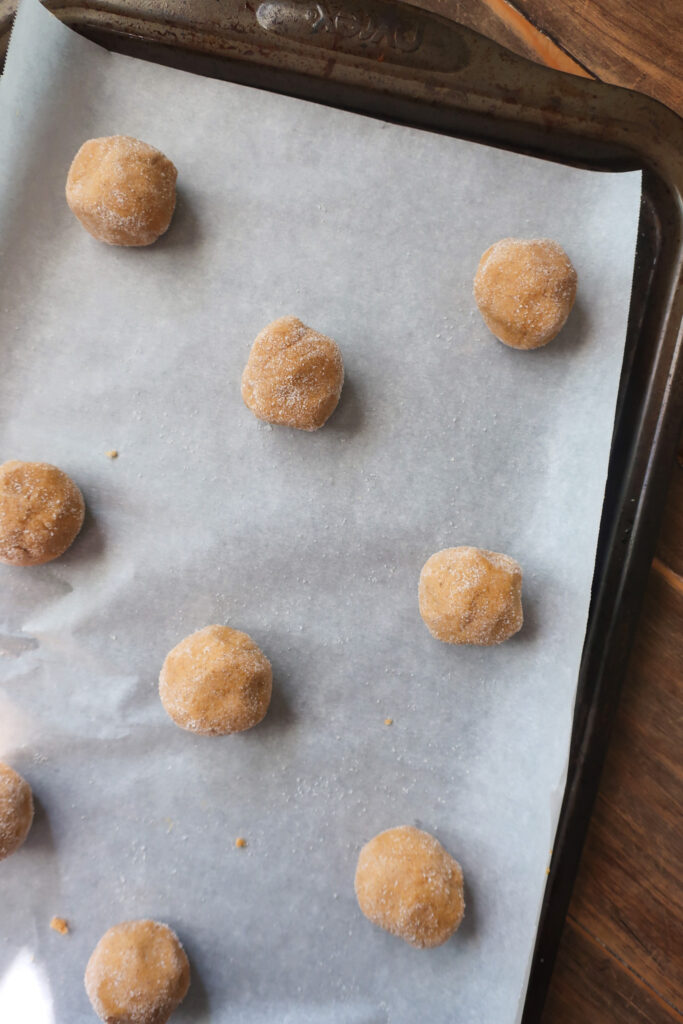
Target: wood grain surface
(621,956)
(632,43)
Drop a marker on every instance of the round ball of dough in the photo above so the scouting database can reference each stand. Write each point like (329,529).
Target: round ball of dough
(16,810)
(138,974)
(293,376)
(41,511)
(408,884)
(471,596)
(525,289)
(216,681)
(122,190)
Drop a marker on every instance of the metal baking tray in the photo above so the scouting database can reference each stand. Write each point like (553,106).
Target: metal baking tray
(396,62)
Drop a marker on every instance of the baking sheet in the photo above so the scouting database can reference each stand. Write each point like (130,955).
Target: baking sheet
(312,543)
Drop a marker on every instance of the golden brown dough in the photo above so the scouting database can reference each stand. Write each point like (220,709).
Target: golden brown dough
(41,512)
(471,596)
(408,884)
(138,974)
(16,810)
(525,289)
(122,190)
(216,681)
(293,376)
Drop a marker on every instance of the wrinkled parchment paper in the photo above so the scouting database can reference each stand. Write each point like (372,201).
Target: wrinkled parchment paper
(312,543)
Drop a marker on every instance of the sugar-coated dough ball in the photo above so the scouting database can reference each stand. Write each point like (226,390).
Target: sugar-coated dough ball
(408,884)
(293,376)
(138,974)
(525,289)
(216,681)
(122,190)
(41,512)
(471,596)
(16,810)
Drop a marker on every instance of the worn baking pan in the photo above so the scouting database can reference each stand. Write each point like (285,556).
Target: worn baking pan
(399,63)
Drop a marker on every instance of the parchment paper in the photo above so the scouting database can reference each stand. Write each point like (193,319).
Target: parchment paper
(312,543)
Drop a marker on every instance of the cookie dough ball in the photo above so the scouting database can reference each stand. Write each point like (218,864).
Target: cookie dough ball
(122,190)
(409,885)
(138,974)
(525,289)
(41,512)
(216,681)
(293,376)
(16,810)
(471,596)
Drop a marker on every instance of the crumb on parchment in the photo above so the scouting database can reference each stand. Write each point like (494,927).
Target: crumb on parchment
(112,453)
(388,721)
(58,924)
(240,842)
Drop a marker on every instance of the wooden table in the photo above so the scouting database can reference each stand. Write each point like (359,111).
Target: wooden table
(621,957)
